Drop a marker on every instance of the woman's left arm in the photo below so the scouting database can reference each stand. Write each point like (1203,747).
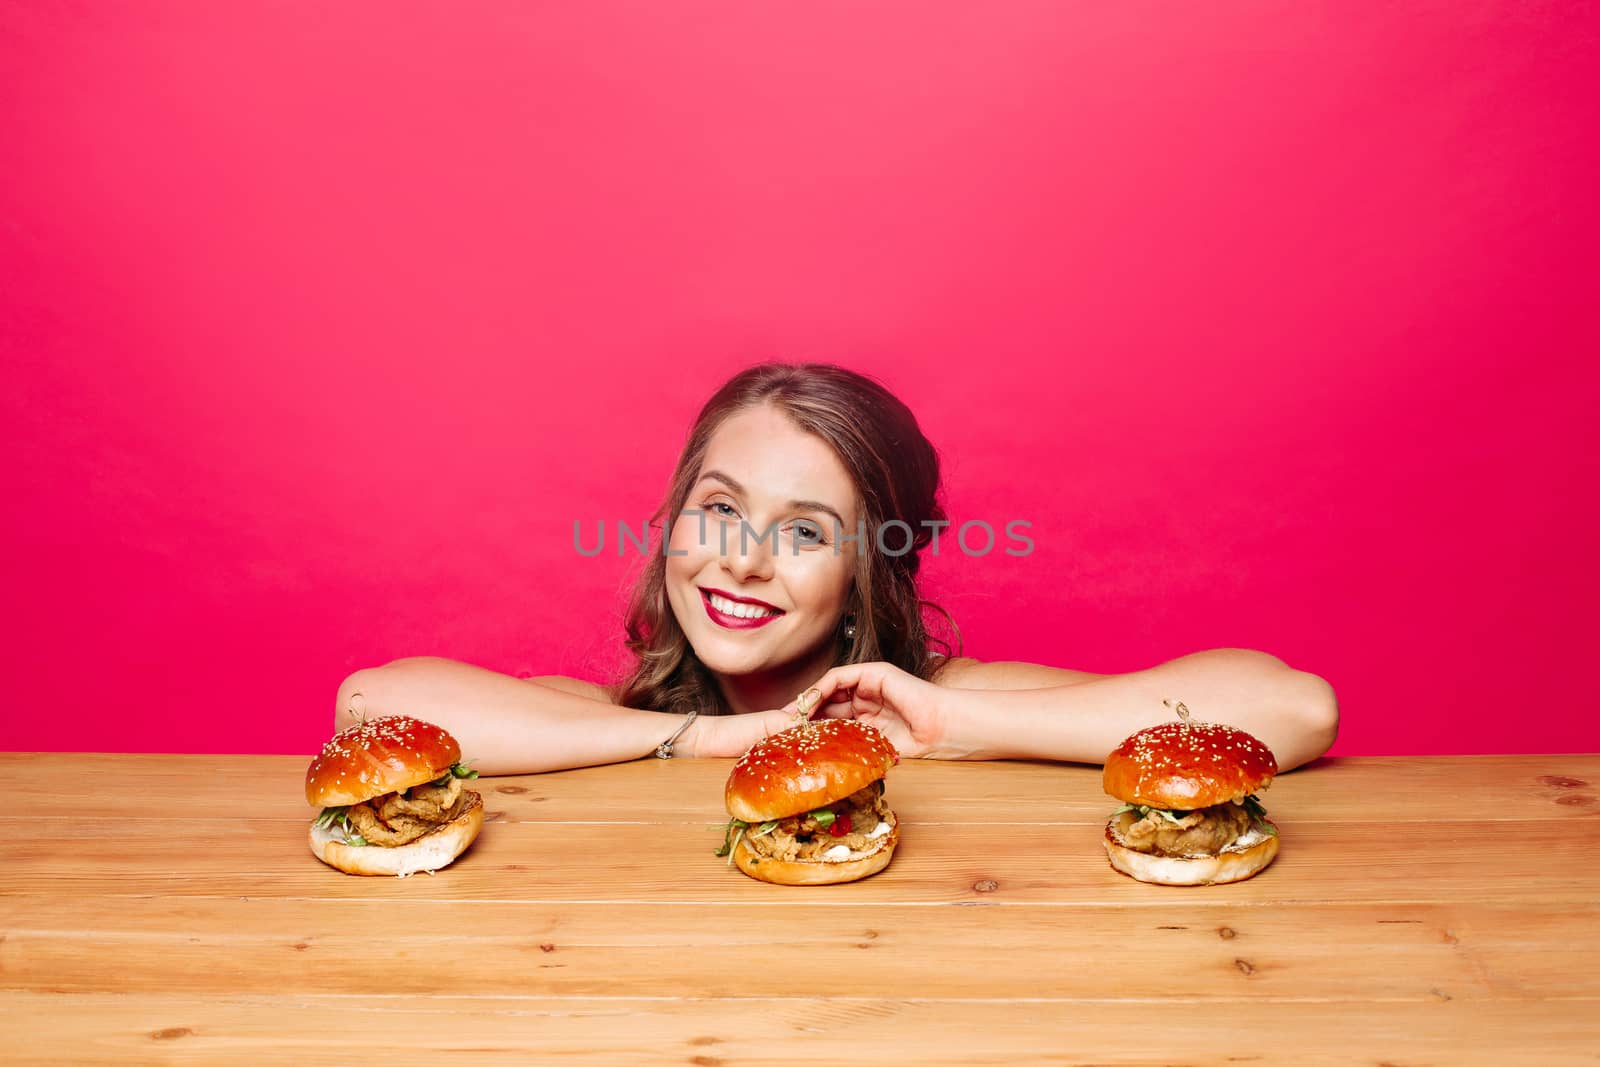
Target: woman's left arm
(1294,713)
(977,711)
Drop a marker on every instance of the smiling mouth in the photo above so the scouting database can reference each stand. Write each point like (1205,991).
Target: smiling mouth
(734,616)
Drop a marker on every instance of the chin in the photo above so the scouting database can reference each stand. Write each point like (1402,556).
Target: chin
(721,661)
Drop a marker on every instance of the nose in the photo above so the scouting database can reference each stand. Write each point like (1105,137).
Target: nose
(749,561)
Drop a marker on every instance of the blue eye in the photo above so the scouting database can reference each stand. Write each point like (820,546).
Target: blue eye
(719,504)
(811,531)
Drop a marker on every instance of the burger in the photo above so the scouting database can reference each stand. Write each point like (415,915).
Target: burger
(1190,815)
(808,807)
(391,798)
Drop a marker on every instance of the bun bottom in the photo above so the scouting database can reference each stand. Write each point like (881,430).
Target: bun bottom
(428,853)
(815,872)
(1187,870)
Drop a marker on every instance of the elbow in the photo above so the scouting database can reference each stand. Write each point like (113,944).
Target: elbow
(1303,709)
(372,691)
(1315,710)
(358,698)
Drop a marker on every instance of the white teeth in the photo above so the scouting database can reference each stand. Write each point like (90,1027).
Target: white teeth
(741,611)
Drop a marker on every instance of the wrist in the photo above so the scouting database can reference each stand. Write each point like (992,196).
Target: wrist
(691,742)
(960,721)
(677,743)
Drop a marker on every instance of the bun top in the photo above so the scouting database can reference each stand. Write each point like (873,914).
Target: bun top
(1187,765)
(806,767)
(382,755)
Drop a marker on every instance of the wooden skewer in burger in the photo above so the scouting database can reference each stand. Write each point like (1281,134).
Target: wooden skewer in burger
(1190,814)
(808,806)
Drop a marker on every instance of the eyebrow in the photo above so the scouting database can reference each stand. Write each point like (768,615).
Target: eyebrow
(805,505)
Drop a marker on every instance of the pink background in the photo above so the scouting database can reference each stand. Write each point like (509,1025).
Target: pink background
(322,324)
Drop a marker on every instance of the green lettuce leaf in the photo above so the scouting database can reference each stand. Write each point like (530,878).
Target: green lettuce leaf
(1144,811)
(730,837)
(1258,813)
(457,770)
(329,816)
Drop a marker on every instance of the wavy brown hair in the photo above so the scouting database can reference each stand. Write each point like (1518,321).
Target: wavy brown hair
(895,472)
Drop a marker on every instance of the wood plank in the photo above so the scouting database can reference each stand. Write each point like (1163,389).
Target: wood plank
(1485,788)
(1419,953)
(673,864)
(41,1028)
(1422,911)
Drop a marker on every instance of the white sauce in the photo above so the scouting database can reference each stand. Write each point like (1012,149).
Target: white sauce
(1251,838)
(840,853)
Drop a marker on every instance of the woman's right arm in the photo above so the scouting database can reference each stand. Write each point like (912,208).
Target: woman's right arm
(509,725)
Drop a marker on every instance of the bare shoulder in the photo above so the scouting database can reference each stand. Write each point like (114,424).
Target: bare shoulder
(592,690)
(964,672)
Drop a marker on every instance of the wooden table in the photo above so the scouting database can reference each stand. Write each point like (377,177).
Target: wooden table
(1422,911)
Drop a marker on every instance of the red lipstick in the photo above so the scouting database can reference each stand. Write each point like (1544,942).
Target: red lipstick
(734,622)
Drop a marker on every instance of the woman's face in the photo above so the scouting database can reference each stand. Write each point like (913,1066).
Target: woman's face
(782,492)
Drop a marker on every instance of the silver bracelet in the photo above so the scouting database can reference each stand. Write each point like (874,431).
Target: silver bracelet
(664,749)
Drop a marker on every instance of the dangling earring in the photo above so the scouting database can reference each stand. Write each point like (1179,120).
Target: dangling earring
(850,628)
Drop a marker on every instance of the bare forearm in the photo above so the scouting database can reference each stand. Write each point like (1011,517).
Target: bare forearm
(1292,712)
(505,725)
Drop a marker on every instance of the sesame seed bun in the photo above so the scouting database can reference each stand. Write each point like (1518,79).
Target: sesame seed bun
(817,872)
(1232,864)
(1181,766)
(382,755)
(806,767)
(436,849)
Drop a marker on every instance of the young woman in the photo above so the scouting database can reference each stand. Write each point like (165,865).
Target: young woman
(774,596)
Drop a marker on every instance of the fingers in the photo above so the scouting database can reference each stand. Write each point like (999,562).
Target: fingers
(806,702)
(837,686)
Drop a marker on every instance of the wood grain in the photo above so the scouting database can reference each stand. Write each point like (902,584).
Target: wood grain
(1296,952)
(294,1029)
(672,864)
(1482,788)
(167,909)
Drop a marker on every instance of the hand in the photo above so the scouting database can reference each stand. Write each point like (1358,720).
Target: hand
(910,712)
(730,736)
